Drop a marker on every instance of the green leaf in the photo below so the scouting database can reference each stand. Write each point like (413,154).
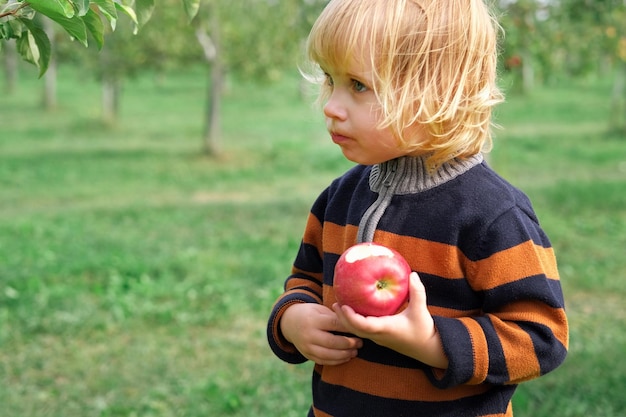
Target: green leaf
(6,31)
(12,29)
(94,24)
(144,9)
(130,13)
(24,49)
(47,7)
(62,12)
(83,6)
(107,8)
(35,46)
(74,26)
(191,8)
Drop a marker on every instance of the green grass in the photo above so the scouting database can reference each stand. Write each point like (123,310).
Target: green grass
(136,274)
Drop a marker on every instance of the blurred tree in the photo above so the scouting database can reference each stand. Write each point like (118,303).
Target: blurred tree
(597,30)
(159,46)
(615,33)
(256,39)
(547,39)
(250,38)
(529,39)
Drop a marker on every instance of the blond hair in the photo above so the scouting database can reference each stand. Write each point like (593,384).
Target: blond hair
(433,62)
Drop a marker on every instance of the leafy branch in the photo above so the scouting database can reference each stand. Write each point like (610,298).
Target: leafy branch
(81,19)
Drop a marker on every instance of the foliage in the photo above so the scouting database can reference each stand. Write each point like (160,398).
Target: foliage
(568,37)
(546,42)
(126,52)
(79,18)
(256,45)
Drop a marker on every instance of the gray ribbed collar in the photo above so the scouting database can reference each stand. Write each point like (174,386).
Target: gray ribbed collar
(410,175)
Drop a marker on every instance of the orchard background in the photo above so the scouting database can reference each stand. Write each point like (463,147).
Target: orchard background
(153,193)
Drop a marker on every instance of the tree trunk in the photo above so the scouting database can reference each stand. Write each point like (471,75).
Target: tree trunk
(617,121)
(212,53)
(528,72)
(110,99)
(50,77)
(213,129)
(9,58)
(111,89)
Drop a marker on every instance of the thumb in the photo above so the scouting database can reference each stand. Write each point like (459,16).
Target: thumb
(417,291)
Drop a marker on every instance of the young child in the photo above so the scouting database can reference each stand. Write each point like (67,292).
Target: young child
(409,87)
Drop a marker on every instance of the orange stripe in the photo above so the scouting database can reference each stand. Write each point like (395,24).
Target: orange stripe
(444,260)
(424,255)
(536,312)
(393,382)
(452,313)
(510,265)
(313,231)
(315,275)
(294,282)
(481,352)
(519,353)
(329,296)
(338,238)
(307,293)
(313,234)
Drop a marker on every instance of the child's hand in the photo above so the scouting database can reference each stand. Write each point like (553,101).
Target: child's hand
(411,332)
(308,326)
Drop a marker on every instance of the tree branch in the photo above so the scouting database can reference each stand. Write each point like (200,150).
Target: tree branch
(14,12)
(207,44)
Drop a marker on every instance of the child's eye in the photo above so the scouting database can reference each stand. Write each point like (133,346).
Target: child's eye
(329,79)
(358,86)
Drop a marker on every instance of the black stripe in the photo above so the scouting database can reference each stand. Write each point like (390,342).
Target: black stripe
(339,401)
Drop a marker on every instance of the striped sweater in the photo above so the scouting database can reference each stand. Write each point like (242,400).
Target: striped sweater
(491,281)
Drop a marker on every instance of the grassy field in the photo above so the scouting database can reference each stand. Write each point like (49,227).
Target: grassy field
(136,275)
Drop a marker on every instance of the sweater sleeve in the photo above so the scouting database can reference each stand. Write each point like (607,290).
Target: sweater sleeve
(303,285)
(522,331)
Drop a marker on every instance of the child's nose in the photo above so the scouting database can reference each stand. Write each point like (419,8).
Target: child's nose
(333,108)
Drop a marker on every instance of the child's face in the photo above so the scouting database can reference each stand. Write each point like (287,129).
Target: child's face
(352,116)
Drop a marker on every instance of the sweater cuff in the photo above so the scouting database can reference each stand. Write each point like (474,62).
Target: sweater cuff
(457,346)
(281,347)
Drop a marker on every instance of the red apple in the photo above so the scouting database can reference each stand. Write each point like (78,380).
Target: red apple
(372,279)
